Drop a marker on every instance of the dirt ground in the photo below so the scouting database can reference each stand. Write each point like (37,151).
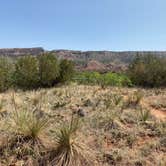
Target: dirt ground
(122,126)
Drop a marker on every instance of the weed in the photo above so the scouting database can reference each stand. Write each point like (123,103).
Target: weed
(133,100)
(144,115)
(112,100)
(130,139)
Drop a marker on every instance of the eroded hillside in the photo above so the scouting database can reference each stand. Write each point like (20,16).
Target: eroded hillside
(88,60)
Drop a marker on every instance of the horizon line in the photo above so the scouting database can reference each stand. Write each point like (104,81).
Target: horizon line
(83,50)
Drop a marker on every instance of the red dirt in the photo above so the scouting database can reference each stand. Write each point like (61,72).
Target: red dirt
(159,114)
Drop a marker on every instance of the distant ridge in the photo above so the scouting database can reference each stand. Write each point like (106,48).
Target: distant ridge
(21,51)
(86,60)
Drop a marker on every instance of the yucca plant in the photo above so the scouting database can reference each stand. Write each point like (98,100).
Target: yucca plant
(107,119)
(117,99)
(112,100)
(69,150)
(144,114)
(28,123)
(26,132)
(133,100)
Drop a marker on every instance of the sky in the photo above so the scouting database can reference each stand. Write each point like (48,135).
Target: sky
(116,25)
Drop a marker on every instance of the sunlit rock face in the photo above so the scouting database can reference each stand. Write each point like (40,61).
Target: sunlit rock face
(21,51)
(101,61)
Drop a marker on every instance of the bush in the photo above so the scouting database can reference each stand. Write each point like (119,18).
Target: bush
(87,77)
(48,69)
(114,79)
(6,70)
(26,73)
(29,72)
(66,70)
(149,71)
(108,79)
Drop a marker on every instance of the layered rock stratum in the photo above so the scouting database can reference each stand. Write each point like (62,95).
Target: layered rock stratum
(87,60)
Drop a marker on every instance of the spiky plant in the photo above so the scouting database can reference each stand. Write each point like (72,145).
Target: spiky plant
(69,150)
(133,100)
(27,123)
(106,119)
(144,114)
(112,100)
(26,131)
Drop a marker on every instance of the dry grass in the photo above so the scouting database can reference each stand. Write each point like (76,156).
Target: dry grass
(121,125)
(25,131)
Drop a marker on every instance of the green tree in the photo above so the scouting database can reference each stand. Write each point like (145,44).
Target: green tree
(6,69)
(26,73)
(66,70)
(148,71)
(48,69)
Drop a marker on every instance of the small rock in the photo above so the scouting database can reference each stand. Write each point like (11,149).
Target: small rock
(138,163)
(3,114)
(81,112)
(109,159)
(88,103)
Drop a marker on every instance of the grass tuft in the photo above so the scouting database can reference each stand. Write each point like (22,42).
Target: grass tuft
(26,133)
(69,150)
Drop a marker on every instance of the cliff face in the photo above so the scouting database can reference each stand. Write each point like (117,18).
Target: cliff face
(87,60)
(103,60)
(21,51)
(104,56)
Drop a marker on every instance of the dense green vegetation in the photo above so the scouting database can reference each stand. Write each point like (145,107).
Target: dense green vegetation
(148,71)
(5,73)
(48,69)
(26,72)
(66,70)
(30,72)
(108,79)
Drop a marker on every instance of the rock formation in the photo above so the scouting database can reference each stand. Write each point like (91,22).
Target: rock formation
(87,60)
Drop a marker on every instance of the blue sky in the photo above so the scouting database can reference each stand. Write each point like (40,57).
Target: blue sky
(84,24)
